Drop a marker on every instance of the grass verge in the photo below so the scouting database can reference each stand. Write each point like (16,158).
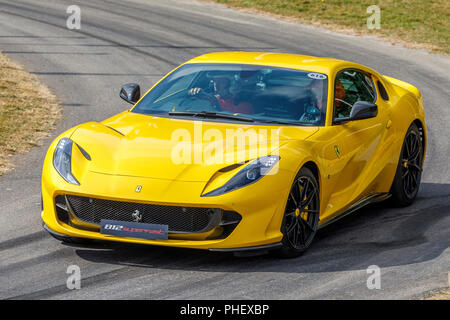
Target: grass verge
(28,111)
(440,295)
(414,23)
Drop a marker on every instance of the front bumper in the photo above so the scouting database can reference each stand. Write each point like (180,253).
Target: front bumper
(238,251)
(260,205)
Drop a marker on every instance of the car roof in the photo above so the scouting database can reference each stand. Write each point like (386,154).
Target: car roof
(282,60)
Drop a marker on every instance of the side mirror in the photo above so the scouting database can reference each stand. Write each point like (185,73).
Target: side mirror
(131,93)
(360,110)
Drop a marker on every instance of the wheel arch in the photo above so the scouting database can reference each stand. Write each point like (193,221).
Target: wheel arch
(276,221)
(314,169)
(423,137)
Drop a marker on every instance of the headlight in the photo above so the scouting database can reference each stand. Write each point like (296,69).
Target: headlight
(62,160)
(251,173)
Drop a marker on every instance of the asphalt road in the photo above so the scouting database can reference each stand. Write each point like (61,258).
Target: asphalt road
(139,41)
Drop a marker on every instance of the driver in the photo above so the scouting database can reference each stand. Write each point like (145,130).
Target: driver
(224,97)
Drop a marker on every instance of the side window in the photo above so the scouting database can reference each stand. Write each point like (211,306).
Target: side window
(382,90)
(351,86)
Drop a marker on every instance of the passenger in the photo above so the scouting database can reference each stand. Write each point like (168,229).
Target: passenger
(314,109)
(341,107)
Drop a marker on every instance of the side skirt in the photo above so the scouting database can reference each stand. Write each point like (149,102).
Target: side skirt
(374,198)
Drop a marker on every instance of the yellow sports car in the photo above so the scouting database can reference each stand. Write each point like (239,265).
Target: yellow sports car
(238,151)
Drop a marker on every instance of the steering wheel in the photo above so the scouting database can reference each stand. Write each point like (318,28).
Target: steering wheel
(211,98)
(205,97)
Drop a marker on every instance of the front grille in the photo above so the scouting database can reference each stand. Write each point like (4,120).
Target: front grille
(179,219)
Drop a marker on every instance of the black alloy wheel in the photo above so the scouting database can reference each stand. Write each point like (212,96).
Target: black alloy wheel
(301,217)
(409,169)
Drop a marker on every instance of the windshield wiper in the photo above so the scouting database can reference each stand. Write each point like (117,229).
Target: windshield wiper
(211,115)
(295,123)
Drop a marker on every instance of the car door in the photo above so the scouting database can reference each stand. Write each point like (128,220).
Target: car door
(358,144)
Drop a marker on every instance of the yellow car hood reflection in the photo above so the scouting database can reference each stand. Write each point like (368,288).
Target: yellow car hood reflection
(137,145)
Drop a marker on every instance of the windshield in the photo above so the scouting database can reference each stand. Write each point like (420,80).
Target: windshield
(255,93)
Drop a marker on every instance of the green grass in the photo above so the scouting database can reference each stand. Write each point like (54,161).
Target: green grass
(424,24)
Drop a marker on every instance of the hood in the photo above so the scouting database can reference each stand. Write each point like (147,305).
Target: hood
(138,145)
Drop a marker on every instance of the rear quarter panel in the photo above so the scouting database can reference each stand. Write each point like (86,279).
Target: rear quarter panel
(407,107)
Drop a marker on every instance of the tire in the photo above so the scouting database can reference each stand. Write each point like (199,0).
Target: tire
(301,217)
(409,169)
